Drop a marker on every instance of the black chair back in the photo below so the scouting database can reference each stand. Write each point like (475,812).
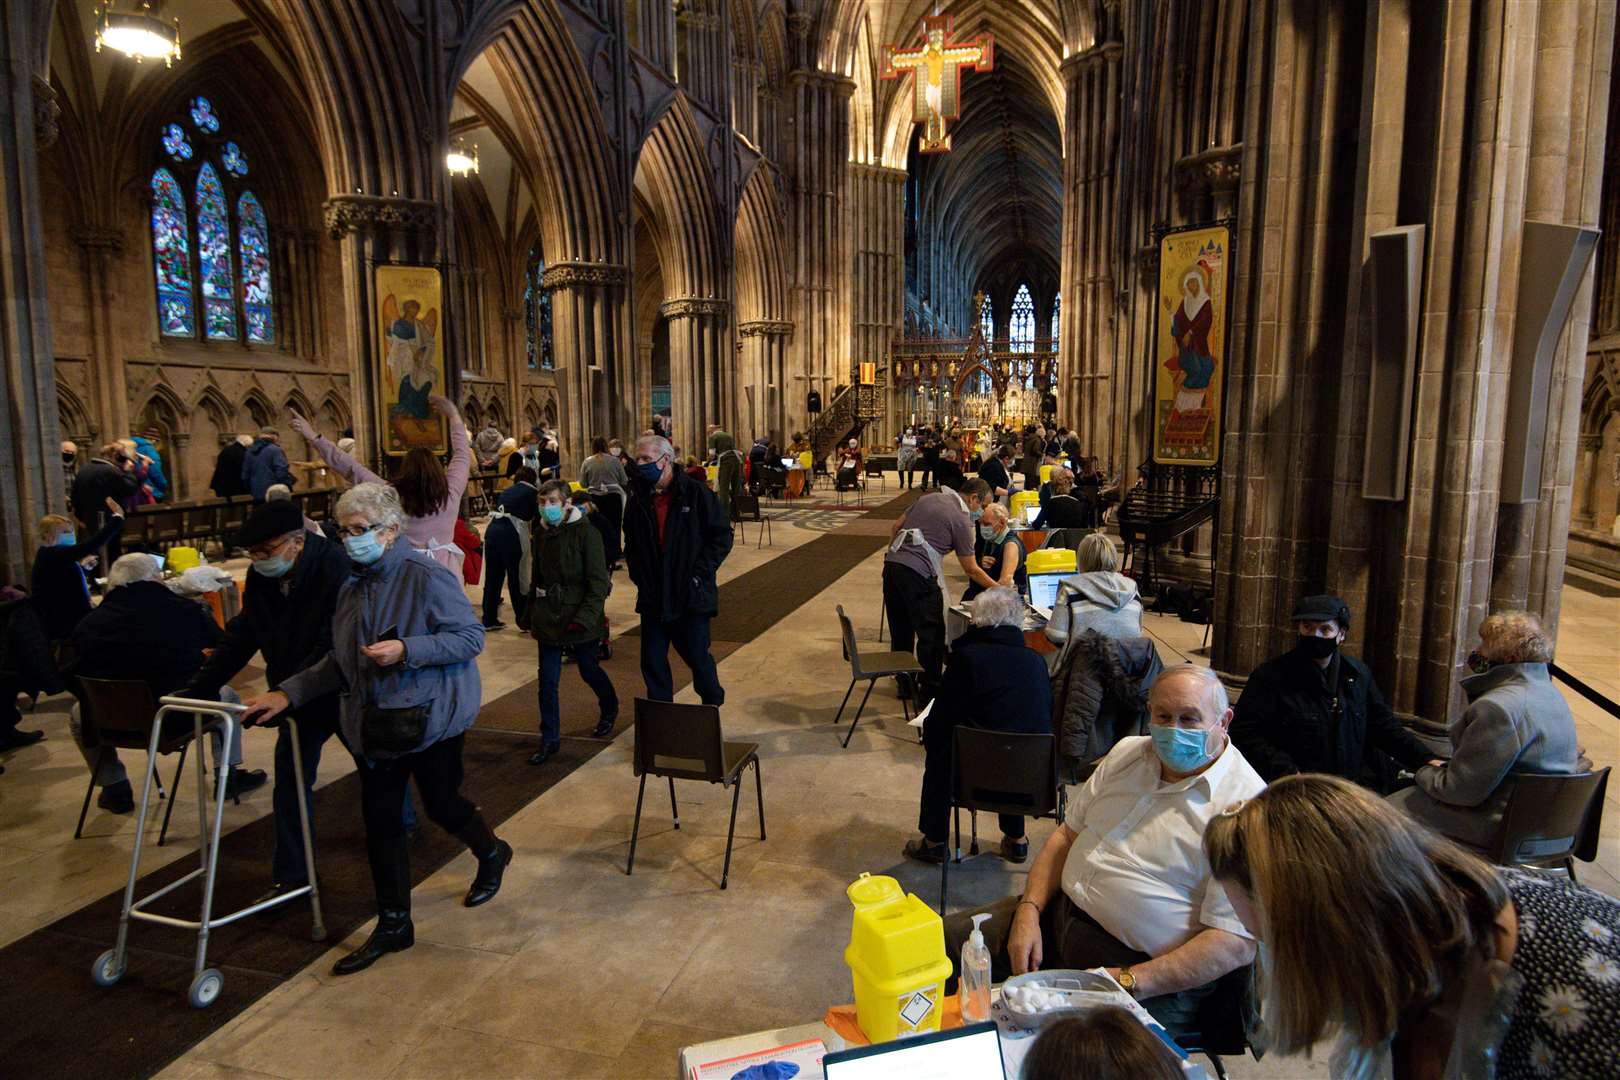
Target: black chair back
(873,468)
(1003,772)
(1066,538)
(680,741)
(118,712)
(745,508)
(1551,817)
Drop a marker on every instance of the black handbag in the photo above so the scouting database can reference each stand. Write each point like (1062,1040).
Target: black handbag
(394,731)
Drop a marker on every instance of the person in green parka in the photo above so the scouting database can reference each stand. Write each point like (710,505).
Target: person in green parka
(571,582)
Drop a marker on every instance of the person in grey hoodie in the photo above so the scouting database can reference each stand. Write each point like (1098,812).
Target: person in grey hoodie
(1516,722)
(1097,598)
(405,645)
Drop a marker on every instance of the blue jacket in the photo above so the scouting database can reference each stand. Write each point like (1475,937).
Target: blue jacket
(154,475)
(424,604)
(264,464)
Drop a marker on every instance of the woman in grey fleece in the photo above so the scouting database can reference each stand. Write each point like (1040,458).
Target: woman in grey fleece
(1097,598)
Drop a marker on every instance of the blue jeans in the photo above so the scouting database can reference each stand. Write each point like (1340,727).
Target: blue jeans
(587,659)
(287,862)
(690,636)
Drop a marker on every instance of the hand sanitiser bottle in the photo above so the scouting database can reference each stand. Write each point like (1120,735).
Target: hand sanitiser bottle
(974,989)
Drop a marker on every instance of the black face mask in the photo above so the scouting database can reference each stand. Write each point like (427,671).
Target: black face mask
(1317,648)
(1477,663)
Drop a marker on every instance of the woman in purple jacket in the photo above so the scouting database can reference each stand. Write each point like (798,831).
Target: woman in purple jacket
(405,645)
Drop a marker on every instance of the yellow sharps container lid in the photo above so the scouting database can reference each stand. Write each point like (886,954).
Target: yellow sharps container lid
(868,891)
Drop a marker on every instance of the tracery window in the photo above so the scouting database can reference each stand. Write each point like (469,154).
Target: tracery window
(1057,306)
(987,319)
(204,245)
(1023,321)
(537,314)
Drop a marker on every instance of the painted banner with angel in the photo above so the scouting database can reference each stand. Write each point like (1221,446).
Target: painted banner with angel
(1191,346)
(410,300)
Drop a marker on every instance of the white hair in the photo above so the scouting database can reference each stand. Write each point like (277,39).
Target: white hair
(659,444)
(377,503)
(244,440)
(1000,606)
(1214,689)
(136,566)
(277,492)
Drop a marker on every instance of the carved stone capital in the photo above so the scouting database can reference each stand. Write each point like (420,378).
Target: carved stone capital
(1147,265)
(690,306)
(1217,170)
(1107,52)
(1591,440)
(765,328)
(825,80)
(91,238)
(575,274)
(344,214)
(46,111)
(800,22)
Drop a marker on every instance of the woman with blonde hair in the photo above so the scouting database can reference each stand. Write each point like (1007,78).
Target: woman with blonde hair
(1417,958)
(1516,722)
(1098,598)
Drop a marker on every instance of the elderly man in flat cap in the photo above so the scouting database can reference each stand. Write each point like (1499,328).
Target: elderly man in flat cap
(1314,709)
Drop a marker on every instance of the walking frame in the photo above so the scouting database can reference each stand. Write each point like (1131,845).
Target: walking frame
(206,982)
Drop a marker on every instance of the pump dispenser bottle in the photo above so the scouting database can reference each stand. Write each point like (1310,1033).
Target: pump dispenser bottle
(973,990)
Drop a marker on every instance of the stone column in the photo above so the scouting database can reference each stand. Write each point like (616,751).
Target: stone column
(98,249)
(1591,447)
(697,342)
(818,149)
(763,366)
(31,481)
(875,292)
(595,375)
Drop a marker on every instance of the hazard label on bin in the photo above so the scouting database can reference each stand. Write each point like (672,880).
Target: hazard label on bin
(917,1008)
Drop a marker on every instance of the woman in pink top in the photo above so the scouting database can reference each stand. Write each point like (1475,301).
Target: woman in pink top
(431,494)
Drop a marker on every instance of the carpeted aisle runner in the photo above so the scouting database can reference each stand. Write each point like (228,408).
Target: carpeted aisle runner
(57,1023)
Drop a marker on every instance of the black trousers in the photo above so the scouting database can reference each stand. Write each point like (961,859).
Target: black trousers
(382,789)
(503,554)
(917,623)
(611,506)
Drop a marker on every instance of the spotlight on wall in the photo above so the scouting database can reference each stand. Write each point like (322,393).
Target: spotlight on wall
(462,158)
(138,34)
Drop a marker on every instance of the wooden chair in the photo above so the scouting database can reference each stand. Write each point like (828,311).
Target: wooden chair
(999,772)
(684,742)
(745,507)
(871,667)
(116,714)
(1551,820)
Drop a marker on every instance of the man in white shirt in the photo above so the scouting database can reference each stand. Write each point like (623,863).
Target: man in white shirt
(1123,883)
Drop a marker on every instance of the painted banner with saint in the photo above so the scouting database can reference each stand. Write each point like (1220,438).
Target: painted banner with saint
(1190,349)
(410,303)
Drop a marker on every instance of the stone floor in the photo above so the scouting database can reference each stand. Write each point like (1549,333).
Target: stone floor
(580,970)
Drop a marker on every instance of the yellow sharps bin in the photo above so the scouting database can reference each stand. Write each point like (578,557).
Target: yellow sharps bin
(897,957)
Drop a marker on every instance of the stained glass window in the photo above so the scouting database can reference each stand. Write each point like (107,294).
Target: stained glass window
(202,114)
(253,243)
(1023,321)
(234,160)
(171,257)
(174,142)
(1057,307)
(537,315)
(987,319)
(214,256)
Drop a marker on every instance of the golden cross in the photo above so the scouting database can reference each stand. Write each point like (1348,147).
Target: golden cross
(938,65)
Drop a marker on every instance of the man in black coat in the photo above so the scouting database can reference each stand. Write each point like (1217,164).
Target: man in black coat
(26,667)
(58,584)
(109,475)
(227,480)
(994,472)
(1314,709)
(992,680)
(287,609)
(142,630)
(675,537)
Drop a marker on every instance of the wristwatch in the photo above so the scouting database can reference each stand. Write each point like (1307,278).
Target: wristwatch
(1127,981)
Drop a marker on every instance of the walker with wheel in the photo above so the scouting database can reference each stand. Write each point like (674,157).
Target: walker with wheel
(207,983)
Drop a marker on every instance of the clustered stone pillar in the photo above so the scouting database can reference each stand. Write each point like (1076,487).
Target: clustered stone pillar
(876,290)
(99,248)
(763,369)
(700,51)
(698,342)
(595,386)
(31,479)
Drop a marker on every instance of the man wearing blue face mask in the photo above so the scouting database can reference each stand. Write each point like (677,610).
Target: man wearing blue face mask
(286,616)
(1124,882)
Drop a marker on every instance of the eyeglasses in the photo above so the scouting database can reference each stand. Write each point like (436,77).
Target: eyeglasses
(264,551)
(357,530)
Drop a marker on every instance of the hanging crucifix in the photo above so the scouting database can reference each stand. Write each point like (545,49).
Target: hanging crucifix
(938,64)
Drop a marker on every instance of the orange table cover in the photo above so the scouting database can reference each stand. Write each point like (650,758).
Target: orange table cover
(841,1018)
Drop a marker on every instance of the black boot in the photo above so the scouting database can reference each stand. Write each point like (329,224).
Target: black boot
(493,855)
(394,933)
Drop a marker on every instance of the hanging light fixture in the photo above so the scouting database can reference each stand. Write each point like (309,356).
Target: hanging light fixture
(462,158)
(140,34)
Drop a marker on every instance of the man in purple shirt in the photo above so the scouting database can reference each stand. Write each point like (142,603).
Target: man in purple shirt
(914,574)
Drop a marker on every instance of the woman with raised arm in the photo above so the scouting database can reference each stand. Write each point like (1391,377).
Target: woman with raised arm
(430,493)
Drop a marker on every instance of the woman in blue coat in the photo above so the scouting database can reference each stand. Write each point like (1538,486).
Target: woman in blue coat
(405,645)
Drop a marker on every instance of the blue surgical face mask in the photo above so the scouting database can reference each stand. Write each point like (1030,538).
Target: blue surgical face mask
(1183,750)
(66,539)
(650,472)
(976,514)
(273,567)
(553,515)
(364,549)
(990,532)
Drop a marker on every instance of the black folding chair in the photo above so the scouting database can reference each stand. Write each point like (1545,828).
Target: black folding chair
(999,772)
(1551,820)
(684,742)
(875,470)
(746,508)
(871,667)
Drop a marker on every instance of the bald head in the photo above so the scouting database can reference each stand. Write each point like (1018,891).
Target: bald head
(1187,693)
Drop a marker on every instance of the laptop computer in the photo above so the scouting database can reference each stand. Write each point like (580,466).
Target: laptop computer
(1043,590)
(1031,513)
(972,1052)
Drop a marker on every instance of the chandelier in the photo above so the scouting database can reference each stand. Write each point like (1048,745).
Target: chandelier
(462,158)
(140,35)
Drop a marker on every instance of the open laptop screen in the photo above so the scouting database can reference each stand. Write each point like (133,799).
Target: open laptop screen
(1043,590)
(965,1053)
